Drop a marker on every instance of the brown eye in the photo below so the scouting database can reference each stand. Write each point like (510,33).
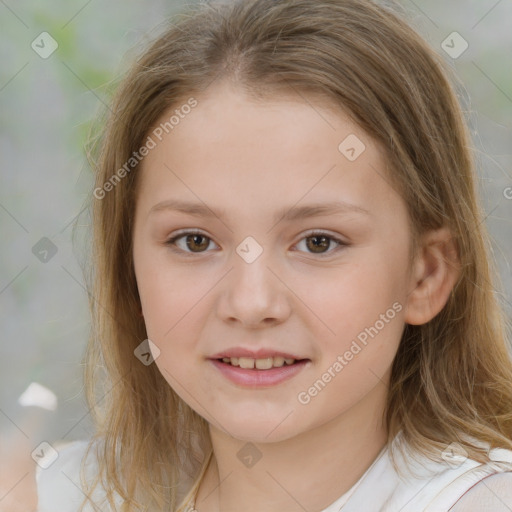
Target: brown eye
(319,243)
(194,243)
(199,242)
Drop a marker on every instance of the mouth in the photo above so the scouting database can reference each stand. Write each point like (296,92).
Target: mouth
(259,373)
(266,363)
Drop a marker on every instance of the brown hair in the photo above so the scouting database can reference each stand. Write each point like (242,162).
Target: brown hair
(451,378)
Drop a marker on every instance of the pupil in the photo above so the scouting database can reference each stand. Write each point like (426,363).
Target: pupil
(195,239)
(322,245)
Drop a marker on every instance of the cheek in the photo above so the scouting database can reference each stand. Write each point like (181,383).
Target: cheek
(349,298)
(364,317)
(170,294)
(358,315)
(176,301)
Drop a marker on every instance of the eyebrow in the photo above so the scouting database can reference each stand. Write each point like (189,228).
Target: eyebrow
(288,214)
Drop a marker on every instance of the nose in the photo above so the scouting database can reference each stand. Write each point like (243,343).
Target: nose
(253,295)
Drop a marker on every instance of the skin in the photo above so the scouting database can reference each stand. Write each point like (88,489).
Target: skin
(251,159)
(18,490)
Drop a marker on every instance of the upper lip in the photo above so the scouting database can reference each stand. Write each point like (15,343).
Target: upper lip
(262,353)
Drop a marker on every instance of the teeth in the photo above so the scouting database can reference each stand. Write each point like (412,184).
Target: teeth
(279,361)
(259,364)
(264,364)
(245,362)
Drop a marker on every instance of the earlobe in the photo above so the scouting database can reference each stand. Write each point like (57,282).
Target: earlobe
(435,273)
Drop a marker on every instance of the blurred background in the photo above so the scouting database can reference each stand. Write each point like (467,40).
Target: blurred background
(58,60)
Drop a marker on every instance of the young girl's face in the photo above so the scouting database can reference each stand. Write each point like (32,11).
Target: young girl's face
(270,266)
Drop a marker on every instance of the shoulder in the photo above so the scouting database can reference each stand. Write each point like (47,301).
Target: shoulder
(492,494)
(58,476)
(480,487)
(453,483)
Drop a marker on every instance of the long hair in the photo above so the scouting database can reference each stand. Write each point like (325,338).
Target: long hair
(451,378)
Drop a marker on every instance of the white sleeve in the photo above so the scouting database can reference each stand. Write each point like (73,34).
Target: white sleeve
(58,485)
(492,494)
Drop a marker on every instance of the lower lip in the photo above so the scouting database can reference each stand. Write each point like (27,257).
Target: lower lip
(259,378)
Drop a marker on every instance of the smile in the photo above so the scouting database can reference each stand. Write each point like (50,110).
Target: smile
(260,364)
(266,372)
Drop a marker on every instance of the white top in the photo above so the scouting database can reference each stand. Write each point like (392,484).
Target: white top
(458,485)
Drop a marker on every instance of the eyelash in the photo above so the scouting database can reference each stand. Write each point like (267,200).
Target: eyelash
(171,242)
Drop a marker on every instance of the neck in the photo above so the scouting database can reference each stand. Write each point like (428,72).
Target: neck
(306,472)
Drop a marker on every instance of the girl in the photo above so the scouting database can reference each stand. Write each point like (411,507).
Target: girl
(292,298)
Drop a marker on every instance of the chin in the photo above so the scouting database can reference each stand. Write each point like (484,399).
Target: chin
(270,429)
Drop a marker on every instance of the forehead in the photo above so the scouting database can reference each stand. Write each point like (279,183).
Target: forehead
(246,151)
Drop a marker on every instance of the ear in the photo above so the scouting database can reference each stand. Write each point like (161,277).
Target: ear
(435,271)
